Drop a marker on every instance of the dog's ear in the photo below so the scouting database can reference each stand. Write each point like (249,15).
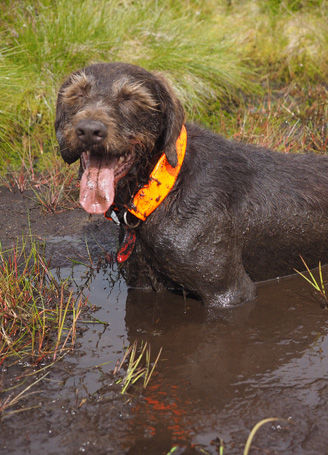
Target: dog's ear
(68,155)
(173,119)
(59,125)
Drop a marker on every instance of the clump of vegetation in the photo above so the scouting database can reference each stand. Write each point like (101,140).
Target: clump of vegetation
(56,189)
(283,39)
(38,314)
(139,367)
(292,119)
(43,41)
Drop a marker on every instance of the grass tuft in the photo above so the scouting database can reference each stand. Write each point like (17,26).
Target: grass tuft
(318,286)
(38,314)
(139,366)
(43,41)
(283,40)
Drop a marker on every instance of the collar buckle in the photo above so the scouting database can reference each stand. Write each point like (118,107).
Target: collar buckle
(129,224)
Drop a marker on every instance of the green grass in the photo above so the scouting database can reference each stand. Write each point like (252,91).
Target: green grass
(255,70)
(293,119)
(139,369)
(284,40)
(43,41)
(38,314)
(224,58)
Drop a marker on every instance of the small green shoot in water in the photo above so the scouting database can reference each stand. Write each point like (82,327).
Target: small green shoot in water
(255,429)
(139,366)
(318,286)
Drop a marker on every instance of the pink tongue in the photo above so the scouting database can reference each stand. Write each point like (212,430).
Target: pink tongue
(97,186)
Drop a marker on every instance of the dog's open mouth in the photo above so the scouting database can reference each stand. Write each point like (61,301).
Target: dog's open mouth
(100,176)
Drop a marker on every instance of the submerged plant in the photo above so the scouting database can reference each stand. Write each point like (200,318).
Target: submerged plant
(10,401)
(139,366)
(38,314)
(318,286)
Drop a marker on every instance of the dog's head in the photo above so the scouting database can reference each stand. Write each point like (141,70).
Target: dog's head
(114,117)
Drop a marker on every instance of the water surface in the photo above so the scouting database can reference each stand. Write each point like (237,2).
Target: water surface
(215,379)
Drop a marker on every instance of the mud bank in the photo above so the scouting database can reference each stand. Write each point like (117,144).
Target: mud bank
(65,233)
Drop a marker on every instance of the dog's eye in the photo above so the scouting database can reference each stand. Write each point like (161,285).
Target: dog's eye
(125,96)
(73,98)
(78,89)
(132,95)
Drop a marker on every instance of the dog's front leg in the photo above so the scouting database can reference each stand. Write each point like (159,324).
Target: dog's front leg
(221,281)
(237,290)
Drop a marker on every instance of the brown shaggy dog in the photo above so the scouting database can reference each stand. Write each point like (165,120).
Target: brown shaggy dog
(236,212)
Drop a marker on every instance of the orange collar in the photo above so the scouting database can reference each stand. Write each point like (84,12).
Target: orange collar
(161,181)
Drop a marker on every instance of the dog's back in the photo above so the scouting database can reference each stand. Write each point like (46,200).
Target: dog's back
(278,201)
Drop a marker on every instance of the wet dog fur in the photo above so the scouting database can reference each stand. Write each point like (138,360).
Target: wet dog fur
(237,213)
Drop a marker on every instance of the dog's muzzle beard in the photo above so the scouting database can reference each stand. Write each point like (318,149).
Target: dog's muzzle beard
(101,172)
(101,166)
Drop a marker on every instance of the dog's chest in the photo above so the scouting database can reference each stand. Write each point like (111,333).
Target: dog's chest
(174,245)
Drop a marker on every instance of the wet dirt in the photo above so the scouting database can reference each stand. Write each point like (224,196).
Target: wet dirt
(215,379)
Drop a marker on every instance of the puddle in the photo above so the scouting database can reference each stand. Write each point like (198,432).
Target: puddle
(215,379)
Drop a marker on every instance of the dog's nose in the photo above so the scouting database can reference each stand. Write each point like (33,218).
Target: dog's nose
(91,131)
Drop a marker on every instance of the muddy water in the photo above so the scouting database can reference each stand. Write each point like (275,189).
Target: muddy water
(215,379)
